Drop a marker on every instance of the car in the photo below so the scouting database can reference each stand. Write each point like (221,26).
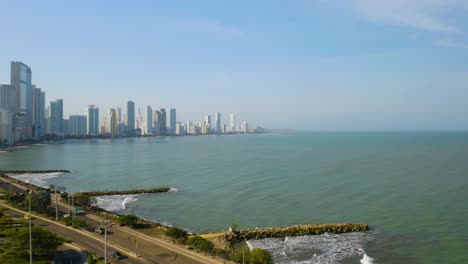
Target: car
(117,255)
(26,216)
(99,230)
(66,215)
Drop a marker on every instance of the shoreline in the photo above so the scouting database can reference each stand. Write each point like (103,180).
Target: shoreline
(58,140)
(225,238)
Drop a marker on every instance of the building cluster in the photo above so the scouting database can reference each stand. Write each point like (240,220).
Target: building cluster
(25,116)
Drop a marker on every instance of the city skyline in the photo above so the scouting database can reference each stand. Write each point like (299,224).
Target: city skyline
(337,65)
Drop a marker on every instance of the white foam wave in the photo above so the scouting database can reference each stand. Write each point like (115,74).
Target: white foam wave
(173,189)
(327,248)
(38,179)
(114,203)
(366,259)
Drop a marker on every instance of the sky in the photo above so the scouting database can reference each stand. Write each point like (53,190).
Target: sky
(341,65)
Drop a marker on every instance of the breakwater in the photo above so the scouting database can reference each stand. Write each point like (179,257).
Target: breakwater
(33,171)
(126,192)
(230,238)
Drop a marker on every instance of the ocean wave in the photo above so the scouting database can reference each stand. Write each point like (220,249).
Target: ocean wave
(174,189)
(38,179)
(327,248)
(366,259)
(115,203)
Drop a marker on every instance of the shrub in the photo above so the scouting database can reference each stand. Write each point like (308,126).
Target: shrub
(176,232)
(128,220)
(79,223)
(238,255)
(200,243)
(260,256)
(68,221)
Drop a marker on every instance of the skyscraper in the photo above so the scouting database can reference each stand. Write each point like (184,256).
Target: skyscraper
(7,111)
(6,127)
(22,120)
(130,116)
(162,122)
(38,116)
(113,125)
(233,123)
(172,122)
(149,120)
(77,125)
(218,122)
(8,98)
(156,123)
(208,123)
(93,120)
(56,117)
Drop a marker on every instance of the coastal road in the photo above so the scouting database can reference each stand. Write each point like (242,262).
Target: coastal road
(129,241)
(89,243)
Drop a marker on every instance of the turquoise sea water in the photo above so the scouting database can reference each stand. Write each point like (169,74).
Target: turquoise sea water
(412,188)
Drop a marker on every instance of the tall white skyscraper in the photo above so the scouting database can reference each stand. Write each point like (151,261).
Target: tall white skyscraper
(93,120)
(56,117)
(172,121)
(218,122)
(130,116)
(233,123)
(149,120)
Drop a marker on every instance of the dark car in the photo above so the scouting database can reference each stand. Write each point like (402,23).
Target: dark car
(117,255)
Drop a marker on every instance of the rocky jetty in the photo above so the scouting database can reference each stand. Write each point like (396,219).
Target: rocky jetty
(230,238)
(125,192)
(33,171)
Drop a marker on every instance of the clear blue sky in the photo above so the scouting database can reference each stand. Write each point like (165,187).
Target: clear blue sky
(315,65)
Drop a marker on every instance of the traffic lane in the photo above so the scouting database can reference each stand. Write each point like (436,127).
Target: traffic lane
(91,245)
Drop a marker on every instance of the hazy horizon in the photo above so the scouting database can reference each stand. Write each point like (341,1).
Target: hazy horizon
(356,65)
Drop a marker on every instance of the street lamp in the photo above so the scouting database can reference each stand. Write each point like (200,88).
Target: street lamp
(30,232)
(105,223)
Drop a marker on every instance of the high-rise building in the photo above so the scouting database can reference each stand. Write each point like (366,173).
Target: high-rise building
(8,98)
(232,123)
(218,122)
(223,129)
(244,127)
(179,129)
(113,125)
(48,125)
(93,120)
(162,122)
(208,123)
(156,123)
(66,127)
(56,117)
(38,115)
(22,118)
(130,116)
(149,120)
(119,115)
(6,126)
(7,111)
(78,125)
(172,122)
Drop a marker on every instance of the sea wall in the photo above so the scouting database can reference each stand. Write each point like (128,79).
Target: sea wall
(33,171)
(136,191)
(229,239)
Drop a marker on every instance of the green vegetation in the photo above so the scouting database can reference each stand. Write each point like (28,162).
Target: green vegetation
(14,242)
(68,221)
(200,243)
(254,256)
(82,199)
(40,201)
(128,220)
(176,232)
(94,259)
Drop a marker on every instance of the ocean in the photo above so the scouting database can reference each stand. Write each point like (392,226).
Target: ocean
(410,187)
